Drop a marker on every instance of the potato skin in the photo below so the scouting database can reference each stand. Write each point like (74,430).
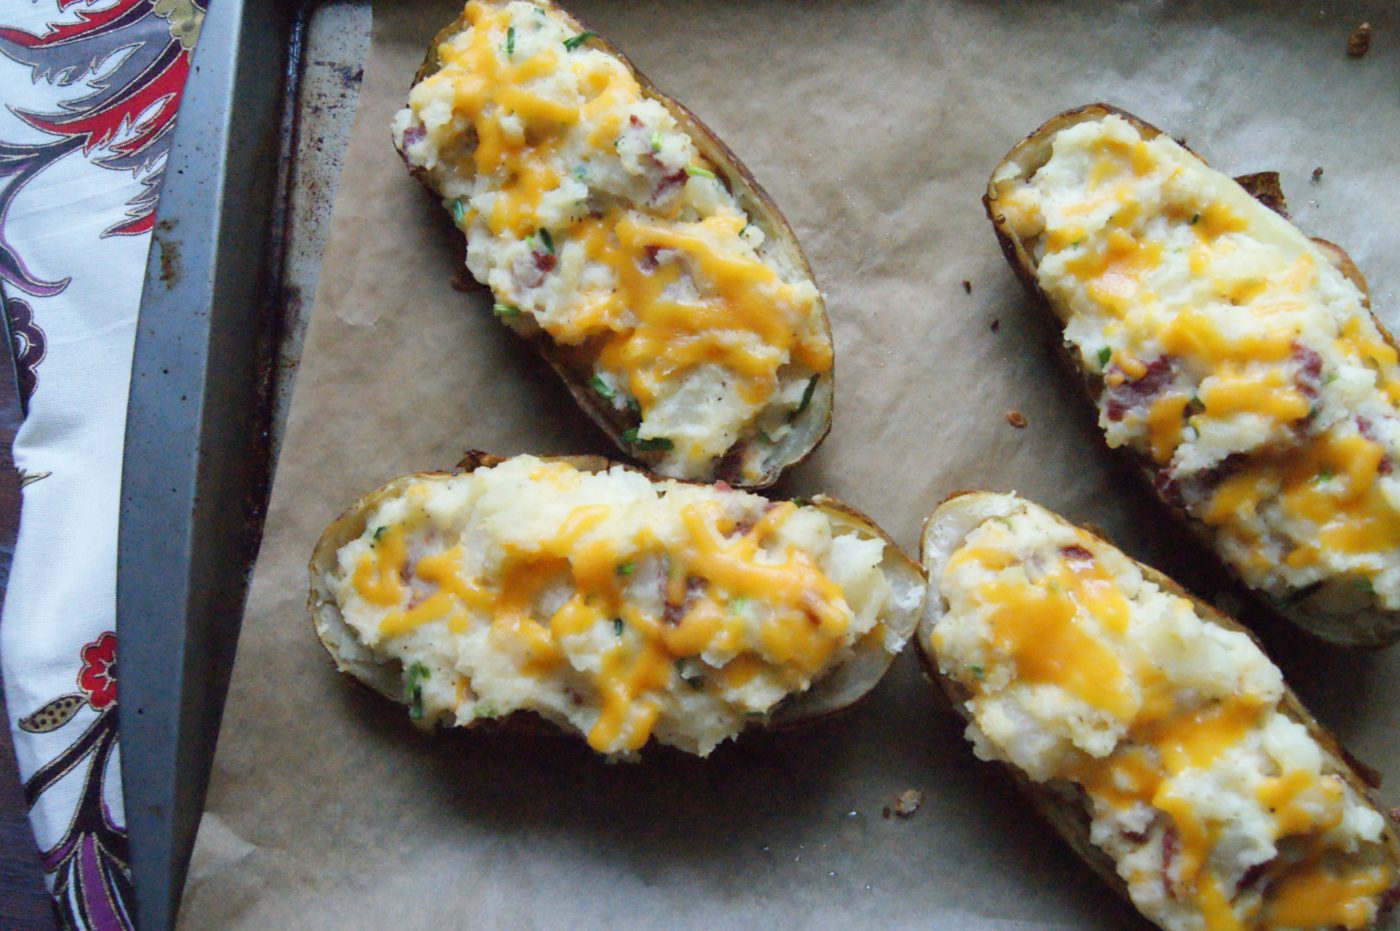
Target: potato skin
(1065,804)
(813,424)
(840,689)
(1369,626)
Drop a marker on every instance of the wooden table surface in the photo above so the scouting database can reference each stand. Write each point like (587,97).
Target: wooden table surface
(24,902)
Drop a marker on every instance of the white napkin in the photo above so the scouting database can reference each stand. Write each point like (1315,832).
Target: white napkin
(90,89)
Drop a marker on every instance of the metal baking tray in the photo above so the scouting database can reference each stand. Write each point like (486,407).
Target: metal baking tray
(232,269)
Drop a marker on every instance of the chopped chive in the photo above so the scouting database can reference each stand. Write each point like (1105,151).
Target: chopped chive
(630,436)
(977,671)
(1104,355)
(765,437)
(656,140)
(806,397)
(737,605)
(800,502)
(1076,244)
(548,241)
(379,532)
(505,310)
(602,388)
(695,171)
(1324,475)
(617,626)
(695,682)
(574,42)
(510,41)
(484,710)
(1366,586)
(1195,218)
(634,406)
(580,172)
(626,568)
(459,211)
(413,689)
(1329,378)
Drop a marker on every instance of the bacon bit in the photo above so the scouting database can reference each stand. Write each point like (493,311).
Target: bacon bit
(996,325)
(648,262)
(667,183)
(1076,553)
(674,612)
(1169,845)
(544,261)
(967,286)
(1317,174)
(1016,419)
(1385,467)
(885,812)
(722,485)
(1251,876)
(1359,42)
(1127,395)
(1365,428)
(908,803)
(634,122)
(1309,369)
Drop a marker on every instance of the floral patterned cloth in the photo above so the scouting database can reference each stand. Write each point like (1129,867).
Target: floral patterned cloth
(90,89)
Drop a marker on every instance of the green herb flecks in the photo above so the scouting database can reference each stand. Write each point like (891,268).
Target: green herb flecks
(1366,586)
(484,710)
(762,435)
(547,241)
(505,310)
(413,680)
(1195,218)
(656,140)
(800,502)
(646,446)
(459,211)
(580,172)
(617,627)
(737,605)
(1323,475)
(634,407)
(574,42)
(600,386)
(1104,355)
(379,532)
(625,569)
(806,397)
(695,171)
(977,671)
(510,41)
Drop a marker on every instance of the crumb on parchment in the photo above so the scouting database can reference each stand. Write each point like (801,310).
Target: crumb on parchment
(1359,43)
(908,802)
(1016,419)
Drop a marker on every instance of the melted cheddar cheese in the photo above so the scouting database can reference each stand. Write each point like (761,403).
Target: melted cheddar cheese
(1219,811)
(593,216)
(1233,355)
(618,608)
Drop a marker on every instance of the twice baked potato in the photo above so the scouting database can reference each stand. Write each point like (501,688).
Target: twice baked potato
(614,604)
(1150,729)
(623,240)
(1236,359)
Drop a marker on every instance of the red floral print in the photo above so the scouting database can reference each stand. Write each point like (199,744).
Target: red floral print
(98,678)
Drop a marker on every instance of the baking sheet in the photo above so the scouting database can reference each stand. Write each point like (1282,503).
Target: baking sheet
(874,126)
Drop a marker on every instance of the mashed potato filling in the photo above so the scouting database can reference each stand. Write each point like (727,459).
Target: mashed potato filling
(1218,810)
(611,605)
(1232,352)
(591,215)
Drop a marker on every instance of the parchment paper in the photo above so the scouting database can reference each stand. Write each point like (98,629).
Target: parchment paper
(874,126)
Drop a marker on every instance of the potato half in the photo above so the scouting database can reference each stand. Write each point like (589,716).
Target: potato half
(1150,729)
(1236,360)
(625,242)
(614,604)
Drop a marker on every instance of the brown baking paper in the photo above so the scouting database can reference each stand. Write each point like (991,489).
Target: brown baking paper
(874,126)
